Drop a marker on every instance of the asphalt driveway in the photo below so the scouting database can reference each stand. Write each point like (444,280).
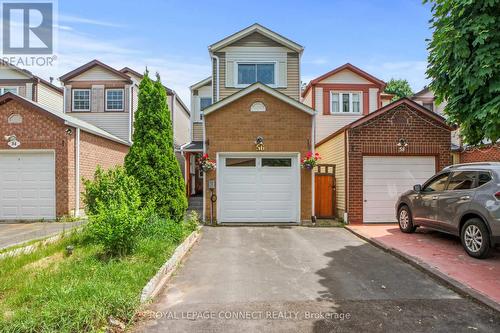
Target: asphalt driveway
(14,233)
(272,279)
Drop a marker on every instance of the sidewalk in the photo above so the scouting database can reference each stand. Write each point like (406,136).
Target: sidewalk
(443,256)
(15,233)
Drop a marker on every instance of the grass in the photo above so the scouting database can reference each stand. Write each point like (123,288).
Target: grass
(47,291)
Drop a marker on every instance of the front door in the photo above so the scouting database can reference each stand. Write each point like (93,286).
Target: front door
(324,191)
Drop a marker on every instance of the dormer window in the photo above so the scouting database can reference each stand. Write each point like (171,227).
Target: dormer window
(114,99)
(346,102)
(249,73)
(81,100)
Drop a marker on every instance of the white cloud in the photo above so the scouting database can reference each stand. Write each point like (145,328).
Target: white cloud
(77,19)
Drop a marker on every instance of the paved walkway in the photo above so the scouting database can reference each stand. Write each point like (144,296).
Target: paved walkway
(14,233)
(296,279)
(441,252)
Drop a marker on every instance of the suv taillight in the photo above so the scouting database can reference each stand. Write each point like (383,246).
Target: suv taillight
(497,195)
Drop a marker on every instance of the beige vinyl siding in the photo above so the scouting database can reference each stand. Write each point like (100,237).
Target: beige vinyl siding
(7,73)
(197,131)
(97,73)
(333,152)
(372,98)
(256,39)
(181,124)
(328,124)
(346,77)
(115,123)
(49,97)
(308,98)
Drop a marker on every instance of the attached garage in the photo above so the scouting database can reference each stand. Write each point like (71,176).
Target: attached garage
(258,188)
(385,178)
(27,180)
(382,155)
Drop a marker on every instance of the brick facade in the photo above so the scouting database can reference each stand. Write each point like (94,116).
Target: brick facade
(485,154)
(379,137)
(234,128)
(42,130)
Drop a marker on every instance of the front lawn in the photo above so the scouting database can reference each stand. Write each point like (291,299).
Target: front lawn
(48,291)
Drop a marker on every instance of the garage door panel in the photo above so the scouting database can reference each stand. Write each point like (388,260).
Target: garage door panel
(270,191)
(385,178)
(27,180)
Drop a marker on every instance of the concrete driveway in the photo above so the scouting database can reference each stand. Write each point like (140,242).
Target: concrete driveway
(272,279)
(14,233)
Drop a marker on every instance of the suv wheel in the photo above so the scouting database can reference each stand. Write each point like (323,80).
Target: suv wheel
(475,238)
(405,220)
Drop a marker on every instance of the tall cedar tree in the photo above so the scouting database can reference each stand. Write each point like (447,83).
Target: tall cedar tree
(464,65)
(151,159)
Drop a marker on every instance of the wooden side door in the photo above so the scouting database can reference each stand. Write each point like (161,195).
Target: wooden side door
(324,189)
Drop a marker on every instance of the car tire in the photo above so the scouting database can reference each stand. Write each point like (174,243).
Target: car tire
(476,238)
(405,220)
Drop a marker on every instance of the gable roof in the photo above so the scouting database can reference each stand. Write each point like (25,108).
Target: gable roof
(68,120)
(351,68)
(260,29)
(90,65)
(201,83)
(30,75)
(264,88)
(382,110)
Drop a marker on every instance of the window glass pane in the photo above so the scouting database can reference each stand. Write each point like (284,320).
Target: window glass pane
(345,102)
(114,100)
(246,73)
(437,184)
(11,90)
(81,100)
(276,162)
(205,102)
(265,73)
(240,162)
(355,103)
(484,177)
(462,180)
(335,102)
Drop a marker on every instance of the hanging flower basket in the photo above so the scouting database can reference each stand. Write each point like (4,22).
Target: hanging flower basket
(310,161)
(206,164)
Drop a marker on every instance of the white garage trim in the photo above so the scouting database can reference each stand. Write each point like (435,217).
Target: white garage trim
(295,156)
(50,213)
(385,178)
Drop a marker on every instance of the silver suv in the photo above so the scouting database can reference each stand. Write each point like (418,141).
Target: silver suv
(463,200)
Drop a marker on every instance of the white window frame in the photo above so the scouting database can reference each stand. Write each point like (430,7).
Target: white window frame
(253,62)
(73,100)
(360,93)
(106,99)
(2,90)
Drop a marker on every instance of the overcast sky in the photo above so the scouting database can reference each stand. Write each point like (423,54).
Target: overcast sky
(384,37)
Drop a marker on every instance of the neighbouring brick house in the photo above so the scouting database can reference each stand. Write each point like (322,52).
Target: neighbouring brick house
(383,154)
(484,153)
(44,153)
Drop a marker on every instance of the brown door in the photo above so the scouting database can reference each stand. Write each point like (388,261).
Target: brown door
(324,186)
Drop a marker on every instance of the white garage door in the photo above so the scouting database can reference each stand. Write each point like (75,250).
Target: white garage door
(258,189)
(27,183)
(385,178)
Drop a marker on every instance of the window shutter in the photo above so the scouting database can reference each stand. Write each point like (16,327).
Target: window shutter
(230,75)
(97,98)
(282,77)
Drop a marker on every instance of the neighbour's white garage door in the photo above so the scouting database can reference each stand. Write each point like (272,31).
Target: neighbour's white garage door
(386,177)
(27,183)
(258,189)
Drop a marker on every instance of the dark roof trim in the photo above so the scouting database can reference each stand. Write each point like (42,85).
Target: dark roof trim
(90,65)
(350,67)
(384,109)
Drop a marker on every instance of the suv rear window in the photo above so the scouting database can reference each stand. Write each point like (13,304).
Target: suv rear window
(484,177)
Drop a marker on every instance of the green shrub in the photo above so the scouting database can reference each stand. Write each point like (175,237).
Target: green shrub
(114,208)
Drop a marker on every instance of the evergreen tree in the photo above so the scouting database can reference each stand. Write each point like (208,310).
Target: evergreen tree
(151,159)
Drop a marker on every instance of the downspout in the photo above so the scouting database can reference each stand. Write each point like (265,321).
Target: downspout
(131,100)
(346,176)
(217,76)
(77,172)
(64,99)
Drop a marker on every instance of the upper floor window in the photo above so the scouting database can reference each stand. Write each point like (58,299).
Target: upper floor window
(205,102)
(4,90)
(346,102)
(258,72)
(114,99)
(81,99)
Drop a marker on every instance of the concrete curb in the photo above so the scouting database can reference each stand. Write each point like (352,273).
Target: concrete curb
(158,281)
(448,281)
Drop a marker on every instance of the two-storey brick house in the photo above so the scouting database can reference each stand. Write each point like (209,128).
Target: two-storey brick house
(248,117)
